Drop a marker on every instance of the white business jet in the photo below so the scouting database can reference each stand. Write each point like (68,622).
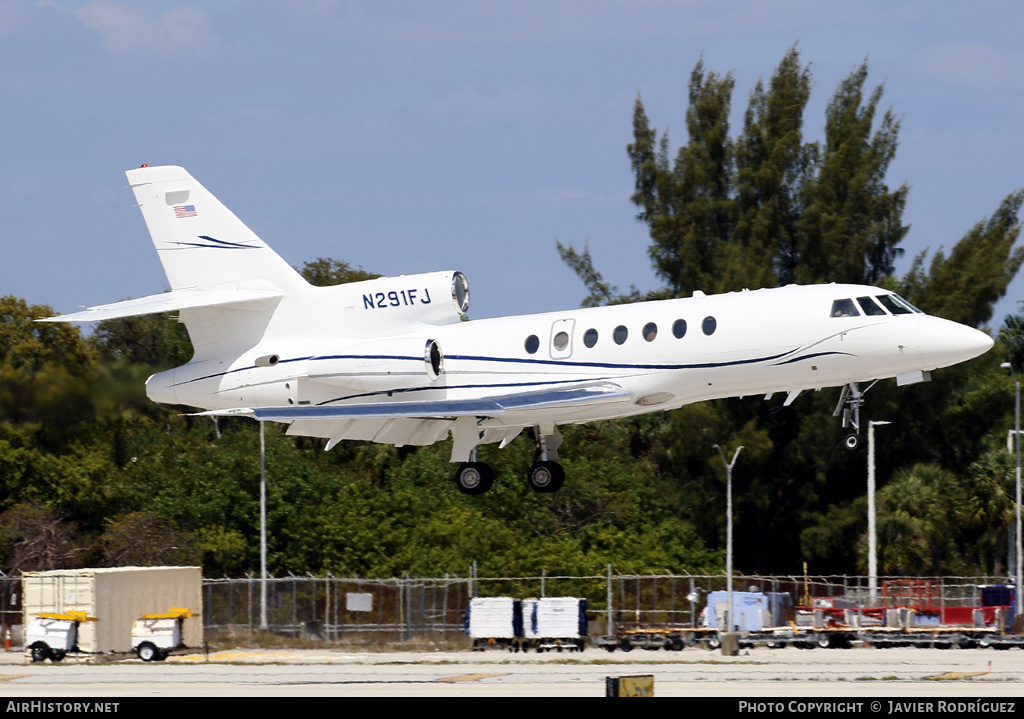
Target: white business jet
(393,360)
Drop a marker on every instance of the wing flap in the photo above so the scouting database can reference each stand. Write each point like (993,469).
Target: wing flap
(442,408)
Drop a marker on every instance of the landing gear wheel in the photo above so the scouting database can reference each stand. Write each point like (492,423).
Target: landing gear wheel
(148,652)
(852,441)
(474,478)
(545,476)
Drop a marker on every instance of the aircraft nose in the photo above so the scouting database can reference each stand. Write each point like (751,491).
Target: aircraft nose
(944,343)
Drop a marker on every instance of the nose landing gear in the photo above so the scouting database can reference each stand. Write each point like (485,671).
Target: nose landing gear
(851,399)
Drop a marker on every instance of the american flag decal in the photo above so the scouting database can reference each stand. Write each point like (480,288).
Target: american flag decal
(184,211)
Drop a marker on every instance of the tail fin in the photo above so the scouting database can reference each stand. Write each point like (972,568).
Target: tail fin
(200,242)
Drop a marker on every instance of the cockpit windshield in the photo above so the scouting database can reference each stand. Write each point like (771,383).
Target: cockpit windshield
(895,305)
(869,306)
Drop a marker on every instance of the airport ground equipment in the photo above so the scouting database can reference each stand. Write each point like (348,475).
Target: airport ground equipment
(118,596)
(544,624)
(155,636)
(554,623)
(51,635)
(494,622)
(628,637)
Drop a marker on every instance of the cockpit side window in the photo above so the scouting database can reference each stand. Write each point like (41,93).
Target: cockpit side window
(844,308)
(869,306)
(897,308)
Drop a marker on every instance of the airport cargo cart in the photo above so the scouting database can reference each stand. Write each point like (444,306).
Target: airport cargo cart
(51,635)
(494,622)
(155,636)
(653,637)
(554,623)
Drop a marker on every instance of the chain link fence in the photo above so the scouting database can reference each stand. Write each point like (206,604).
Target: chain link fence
(432,610)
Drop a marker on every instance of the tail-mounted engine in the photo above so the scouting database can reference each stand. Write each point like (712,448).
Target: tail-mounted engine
(433,298)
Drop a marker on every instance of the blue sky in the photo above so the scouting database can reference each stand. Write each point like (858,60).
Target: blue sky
(409,137)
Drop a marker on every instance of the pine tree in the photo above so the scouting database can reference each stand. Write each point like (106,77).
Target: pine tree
(689,205)
(772,167)
(851,225)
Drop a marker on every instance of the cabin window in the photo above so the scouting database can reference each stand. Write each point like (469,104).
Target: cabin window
(869,306)
(650,331)
(844,308)
(897,308)
(561,341)
(679,329)
(532,344)
(709,325)
(590,337)
(620,334)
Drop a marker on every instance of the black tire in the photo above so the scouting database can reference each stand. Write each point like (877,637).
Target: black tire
(474,478)
(148,652)
(675,644)
(40,652)
(625,645)
(546,477)
(57,654)
(853,441)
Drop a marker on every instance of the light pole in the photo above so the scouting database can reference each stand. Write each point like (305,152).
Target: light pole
(872,533)
(1017,599)
(263,529)
(728,533)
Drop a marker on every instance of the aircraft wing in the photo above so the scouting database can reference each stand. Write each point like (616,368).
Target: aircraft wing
(440,409)
(165,302)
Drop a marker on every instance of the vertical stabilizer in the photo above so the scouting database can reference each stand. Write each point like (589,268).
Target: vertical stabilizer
(201,244)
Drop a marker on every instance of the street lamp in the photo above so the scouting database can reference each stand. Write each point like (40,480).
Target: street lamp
(1016,431)
(728,533)
(872,533)
(263,528)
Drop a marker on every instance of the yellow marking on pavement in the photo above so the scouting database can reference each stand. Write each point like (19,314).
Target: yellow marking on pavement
(957,675)
(470,677)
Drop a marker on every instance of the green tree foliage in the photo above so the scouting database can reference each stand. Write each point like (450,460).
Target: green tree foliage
(769,208)
(851,224)
(1012,337)
(773,166)
(325,271)
(157,341)
(46,369)
(688,203)
(965,286)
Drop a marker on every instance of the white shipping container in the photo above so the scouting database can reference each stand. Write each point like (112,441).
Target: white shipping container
(557,617)
(491,618)
(116,597)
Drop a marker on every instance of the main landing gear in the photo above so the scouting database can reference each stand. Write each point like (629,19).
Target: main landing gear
(474,477)
(545,474)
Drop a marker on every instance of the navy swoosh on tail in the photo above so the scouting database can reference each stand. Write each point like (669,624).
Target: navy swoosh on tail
(393,360)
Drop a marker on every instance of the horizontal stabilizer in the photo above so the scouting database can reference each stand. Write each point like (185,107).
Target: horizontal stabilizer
(438,409)
(166,302)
